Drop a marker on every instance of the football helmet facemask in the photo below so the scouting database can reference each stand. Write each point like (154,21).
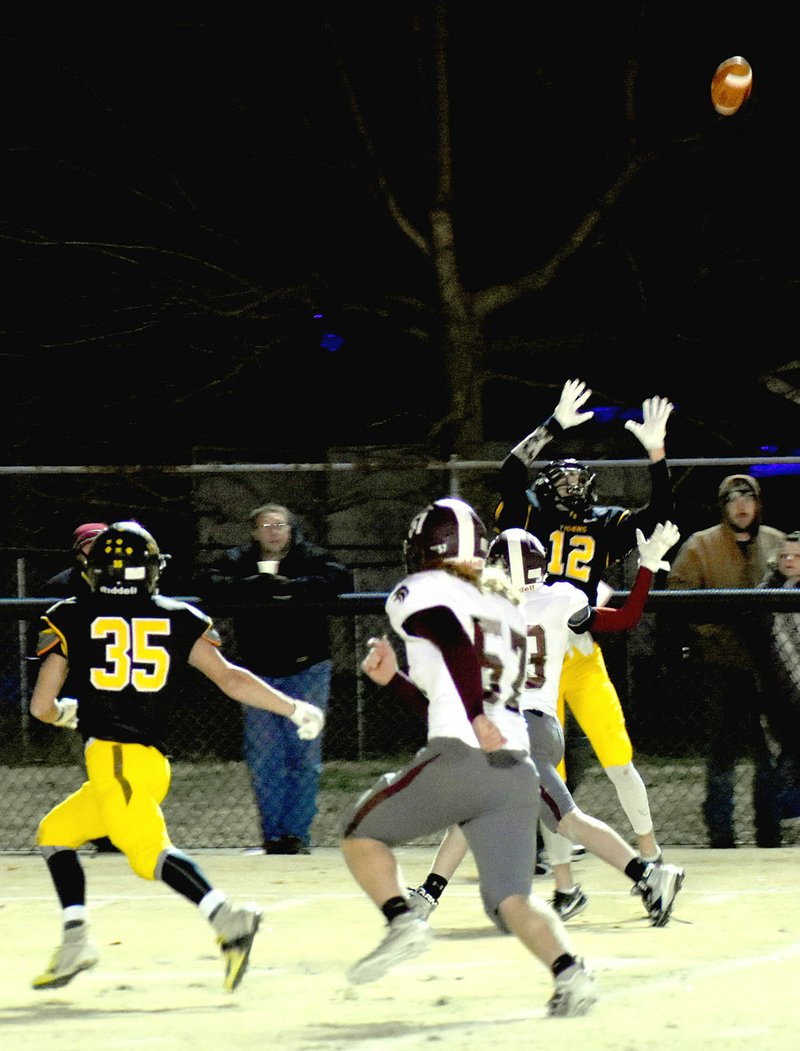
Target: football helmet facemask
(522,556)
(448,530)
(125,560)
(567,485)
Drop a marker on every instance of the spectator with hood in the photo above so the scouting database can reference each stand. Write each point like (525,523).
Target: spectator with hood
(735,553)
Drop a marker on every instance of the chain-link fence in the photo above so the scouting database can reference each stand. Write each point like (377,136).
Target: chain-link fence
(210,804)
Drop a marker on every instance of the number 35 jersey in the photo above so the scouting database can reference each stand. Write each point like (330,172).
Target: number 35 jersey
(496,629)
(126,657)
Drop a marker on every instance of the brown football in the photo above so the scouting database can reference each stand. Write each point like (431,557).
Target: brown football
(731,85)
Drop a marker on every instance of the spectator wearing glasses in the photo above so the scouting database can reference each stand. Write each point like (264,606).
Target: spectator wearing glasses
(287,644)
(735,553)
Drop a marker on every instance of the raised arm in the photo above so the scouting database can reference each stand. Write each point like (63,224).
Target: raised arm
(651,554)
(514,473)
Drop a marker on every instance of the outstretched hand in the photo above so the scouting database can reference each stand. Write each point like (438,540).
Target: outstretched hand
(651,552)
(574,394)
(652,431)
(308,718)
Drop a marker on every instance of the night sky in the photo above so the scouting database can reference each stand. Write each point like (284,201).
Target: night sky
(194,258)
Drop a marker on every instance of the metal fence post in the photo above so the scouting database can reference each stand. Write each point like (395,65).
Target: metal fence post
(22,635)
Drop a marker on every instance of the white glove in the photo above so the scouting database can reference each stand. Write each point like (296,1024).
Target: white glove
(67,713)
(308,719)
(652,431)
(652,551)
(574,394)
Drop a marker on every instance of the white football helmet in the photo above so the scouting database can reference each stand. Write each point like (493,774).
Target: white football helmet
(522,556)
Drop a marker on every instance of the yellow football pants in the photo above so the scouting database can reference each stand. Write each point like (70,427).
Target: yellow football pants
(121,799)
(586,687)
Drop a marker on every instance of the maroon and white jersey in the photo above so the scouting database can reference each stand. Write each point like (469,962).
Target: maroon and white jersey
(547,612)
(496,629)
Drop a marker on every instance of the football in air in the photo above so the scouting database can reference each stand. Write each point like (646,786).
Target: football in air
(731,85)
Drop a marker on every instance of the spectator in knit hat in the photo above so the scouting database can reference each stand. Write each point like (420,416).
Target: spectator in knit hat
(735,553)
(70,581)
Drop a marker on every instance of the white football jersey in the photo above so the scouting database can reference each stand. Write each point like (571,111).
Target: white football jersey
(497,630)
(547,611)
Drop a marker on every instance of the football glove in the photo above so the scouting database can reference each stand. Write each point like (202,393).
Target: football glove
(652,551)
(652,431)
(573,395)
(67,713)
(308,719)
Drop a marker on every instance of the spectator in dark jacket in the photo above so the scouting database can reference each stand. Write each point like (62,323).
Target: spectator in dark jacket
(287,644)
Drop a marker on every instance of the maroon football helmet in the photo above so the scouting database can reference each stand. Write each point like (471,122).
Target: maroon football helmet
(448,530)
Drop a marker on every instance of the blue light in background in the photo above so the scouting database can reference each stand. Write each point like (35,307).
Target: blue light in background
(766,470)
(771,469)
(330,340)
(609,413)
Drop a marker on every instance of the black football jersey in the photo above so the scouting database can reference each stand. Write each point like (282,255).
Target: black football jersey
(580,548)
(125,656)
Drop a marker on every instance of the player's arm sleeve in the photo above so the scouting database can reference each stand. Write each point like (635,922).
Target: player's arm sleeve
(661,507)
(408,693)
(209,632)
(532,444)
(620,526)
(50,639)
(607,619)
(512,484)
(440,626)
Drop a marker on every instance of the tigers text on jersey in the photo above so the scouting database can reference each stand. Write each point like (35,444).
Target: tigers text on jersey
(496,628)
(125,658)
(547,611)
(580,549)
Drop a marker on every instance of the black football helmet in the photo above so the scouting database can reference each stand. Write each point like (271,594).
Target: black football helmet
(522,556)
(567,485)
(448,530)
(125,560)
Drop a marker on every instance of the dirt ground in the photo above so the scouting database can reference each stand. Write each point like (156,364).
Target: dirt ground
(723,974)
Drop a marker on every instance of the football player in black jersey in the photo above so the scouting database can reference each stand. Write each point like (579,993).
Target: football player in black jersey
(123,646)
(583,539)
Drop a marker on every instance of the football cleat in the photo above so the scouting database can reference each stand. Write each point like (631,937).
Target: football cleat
(408,936)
